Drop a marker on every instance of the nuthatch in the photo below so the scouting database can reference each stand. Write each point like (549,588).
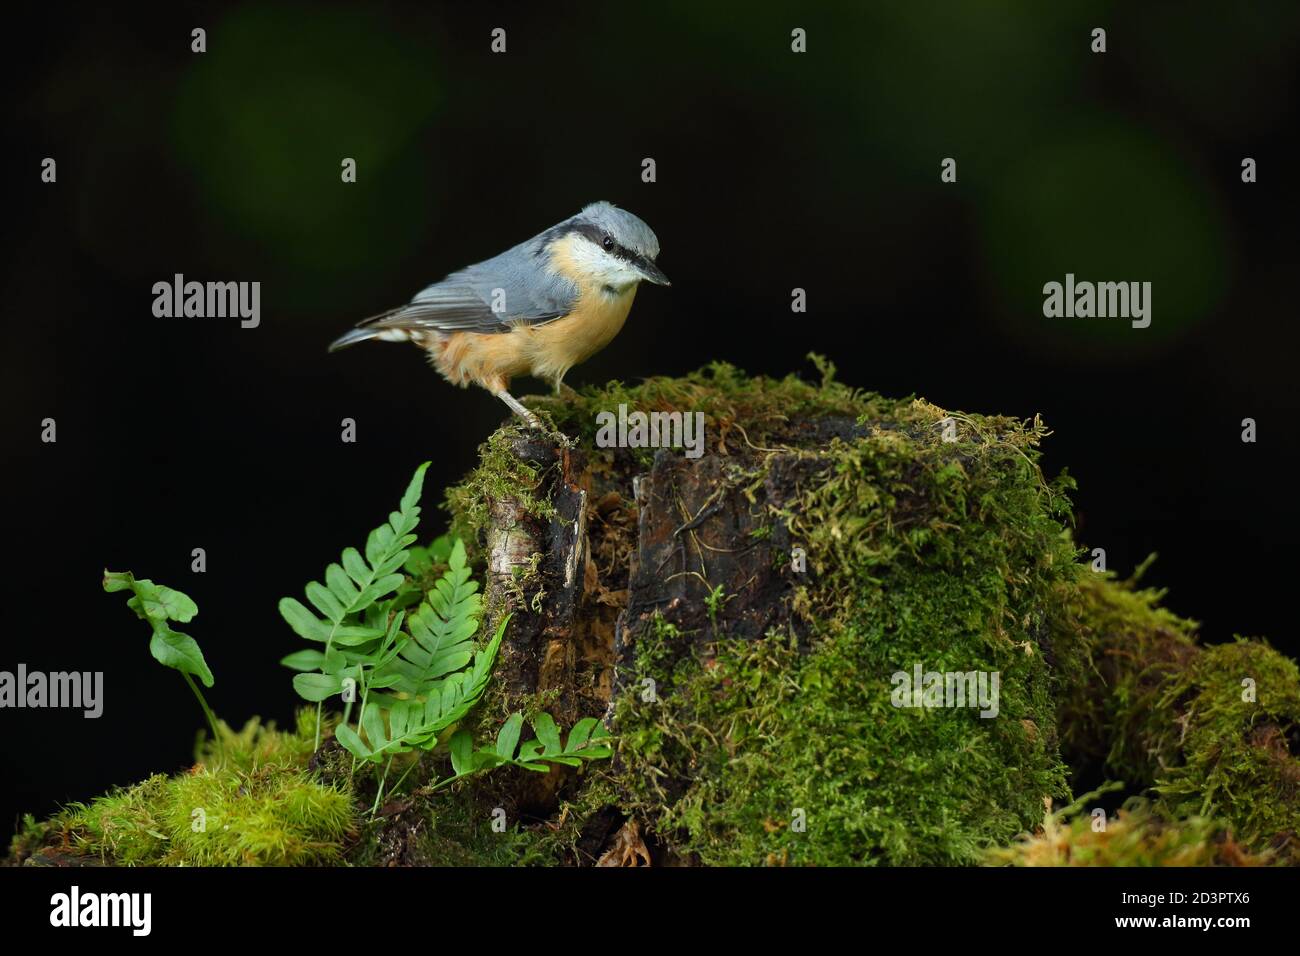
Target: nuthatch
(537,309)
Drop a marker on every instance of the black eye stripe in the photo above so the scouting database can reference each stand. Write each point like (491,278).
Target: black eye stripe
(598,235)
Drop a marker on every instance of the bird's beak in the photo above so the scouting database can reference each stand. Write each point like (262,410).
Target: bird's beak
(652,272)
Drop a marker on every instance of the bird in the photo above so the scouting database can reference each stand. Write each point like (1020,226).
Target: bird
(538,309)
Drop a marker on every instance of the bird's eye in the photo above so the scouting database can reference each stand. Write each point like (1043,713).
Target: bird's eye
(608,243)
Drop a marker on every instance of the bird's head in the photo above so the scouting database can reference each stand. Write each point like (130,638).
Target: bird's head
(613,248)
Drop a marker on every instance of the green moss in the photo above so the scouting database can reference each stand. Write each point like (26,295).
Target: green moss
(460,833)
(739,409)
(1211,730)
(28,838)
(955,555)
(124,827)
(269,817)
(943,553)
(1130,644)
(1135,836)
(1233,742)
(499,474)
(251,801)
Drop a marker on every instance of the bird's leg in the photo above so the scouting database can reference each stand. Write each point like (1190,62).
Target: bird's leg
(518,408)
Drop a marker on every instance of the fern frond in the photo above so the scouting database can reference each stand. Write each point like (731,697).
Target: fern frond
(352,588)
(416,723)
(159,604)
(588,740)
(441,633)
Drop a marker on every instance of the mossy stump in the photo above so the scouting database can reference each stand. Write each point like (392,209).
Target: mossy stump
(740,619)
(745,620)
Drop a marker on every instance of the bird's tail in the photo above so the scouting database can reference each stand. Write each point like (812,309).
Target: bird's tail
(352,338)
(366,330)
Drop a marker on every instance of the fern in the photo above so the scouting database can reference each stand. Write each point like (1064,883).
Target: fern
(416,722)
(588,740)
(419,673)
(353,622)
(441,632)
(158,605)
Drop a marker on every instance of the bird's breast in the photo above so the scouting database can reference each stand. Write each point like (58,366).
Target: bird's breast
(596,316)
(591,324)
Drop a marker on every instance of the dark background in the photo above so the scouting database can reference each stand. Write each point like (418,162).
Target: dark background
(775,170)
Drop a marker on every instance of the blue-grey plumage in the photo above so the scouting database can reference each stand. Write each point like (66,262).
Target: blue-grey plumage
(537,309)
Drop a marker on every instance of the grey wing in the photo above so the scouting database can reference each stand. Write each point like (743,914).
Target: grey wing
(514,288)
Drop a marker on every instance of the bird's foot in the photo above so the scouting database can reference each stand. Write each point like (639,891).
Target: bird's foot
(532,421)
(554,434)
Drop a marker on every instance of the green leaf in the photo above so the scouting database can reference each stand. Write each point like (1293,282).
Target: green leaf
(351,635)
(441,632)
(324,601)
(152,601)
(567,761)
(181,652)
(487,759)
(529,750)
(462,752)
(317,687)
(547,733)
(304,623)
(377,589)
(354,745)
(304,660)
(117,580)
(340,585)
(372,722)
(356,566)
(411,499)
(579,734)
(508,736)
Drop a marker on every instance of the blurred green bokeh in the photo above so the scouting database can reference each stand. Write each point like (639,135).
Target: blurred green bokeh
(292,85)
(1108,204)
